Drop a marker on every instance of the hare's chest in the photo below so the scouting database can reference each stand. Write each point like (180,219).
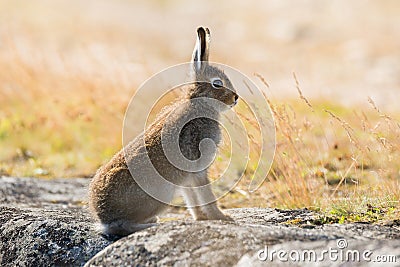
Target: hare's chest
(199,136)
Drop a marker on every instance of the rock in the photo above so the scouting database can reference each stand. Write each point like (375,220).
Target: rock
(33,191)
(43,223)
(215,243)
(47,236)
(46,223)
(338,253)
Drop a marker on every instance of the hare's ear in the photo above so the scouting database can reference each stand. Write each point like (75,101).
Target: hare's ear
(200,53)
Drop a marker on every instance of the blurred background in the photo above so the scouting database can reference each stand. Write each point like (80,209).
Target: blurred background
(340,50)
(68,69)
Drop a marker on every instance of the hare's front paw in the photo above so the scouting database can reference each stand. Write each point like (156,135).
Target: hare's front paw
(227,218)
(203,215)
(221,217)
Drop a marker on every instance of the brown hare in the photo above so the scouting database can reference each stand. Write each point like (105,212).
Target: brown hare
(116,199)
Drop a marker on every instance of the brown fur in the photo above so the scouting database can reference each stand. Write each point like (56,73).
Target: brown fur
(116,199)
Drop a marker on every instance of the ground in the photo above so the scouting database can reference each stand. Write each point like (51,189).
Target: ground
(329,70)
(46,222)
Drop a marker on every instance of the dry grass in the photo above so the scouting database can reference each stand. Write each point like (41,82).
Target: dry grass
(328,156)
(58,118)
(62,109)
(344,162)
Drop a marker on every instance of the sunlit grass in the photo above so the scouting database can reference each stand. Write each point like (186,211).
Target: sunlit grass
(341,161)
(327,156)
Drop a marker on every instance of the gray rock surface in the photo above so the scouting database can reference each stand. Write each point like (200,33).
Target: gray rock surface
(46,223)
(47,236)
(37,192)
(211,243)
(297,253)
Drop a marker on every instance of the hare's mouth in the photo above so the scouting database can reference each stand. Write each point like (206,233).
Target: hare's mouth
(234,103)
(235,99)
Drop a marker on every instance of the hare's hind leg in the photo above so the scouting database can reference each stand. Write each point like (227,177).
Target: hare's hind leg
(124,227)
(196,197)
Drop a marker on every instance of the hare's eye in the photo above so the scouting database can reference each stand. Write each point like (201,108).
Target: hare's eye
(217,83)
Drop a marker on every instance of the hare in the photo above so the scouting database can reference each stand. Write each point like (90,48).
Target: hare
(116,199)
